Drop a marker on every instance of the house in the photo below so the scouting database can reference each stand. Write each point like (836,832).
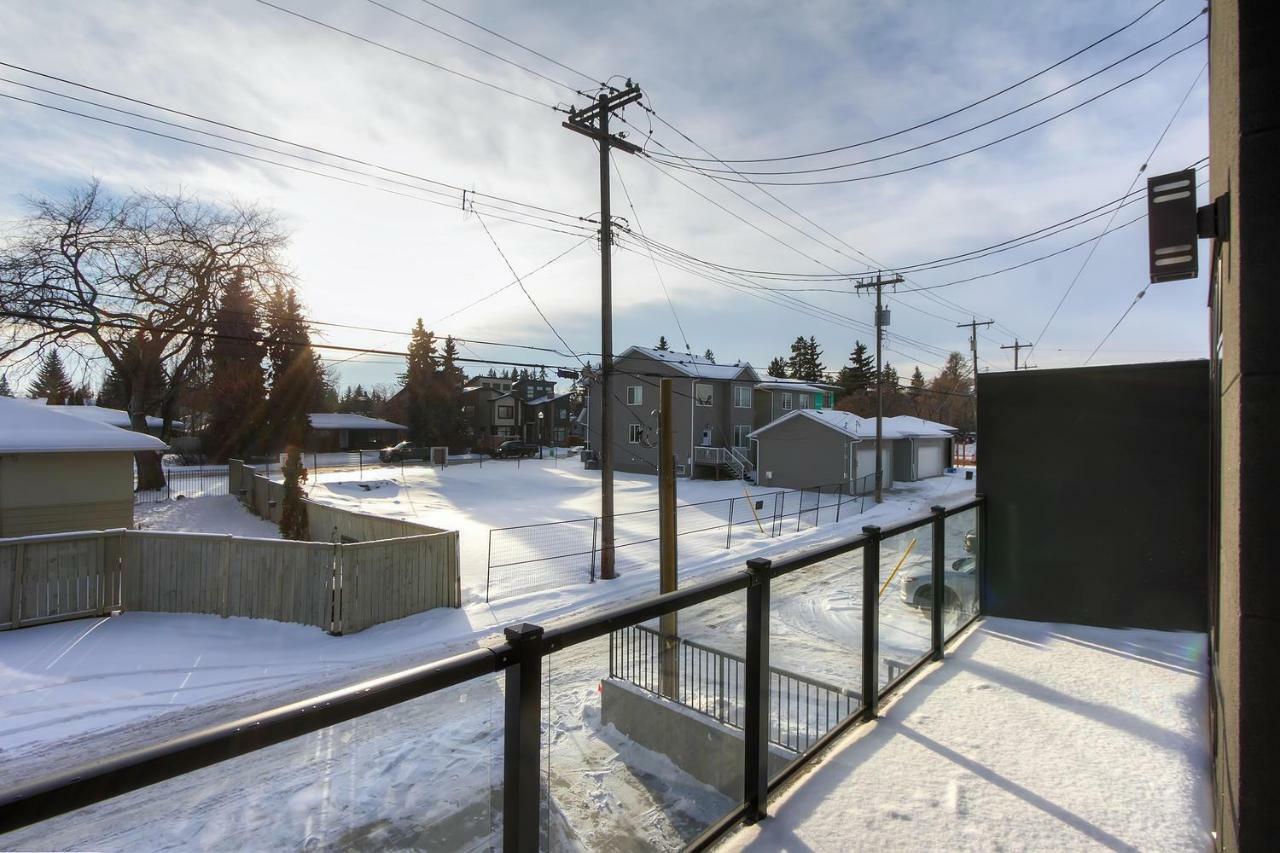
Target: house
(716,408)
(59,472)
(547,419)
(331,431)
(808,448)
(498,408)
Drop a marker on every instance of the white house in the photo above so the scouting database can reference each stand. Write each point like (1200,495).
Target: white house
(59,472)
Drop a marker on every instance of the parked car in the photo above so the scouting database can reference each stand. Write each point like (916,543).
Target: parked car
(515,449)
(403,450)
(960,581)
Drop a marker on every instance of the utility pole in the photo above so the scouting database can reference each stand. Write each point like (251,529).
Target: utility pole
(593,122)
(882,320)
(1016,347)
(668,629)
(972,326)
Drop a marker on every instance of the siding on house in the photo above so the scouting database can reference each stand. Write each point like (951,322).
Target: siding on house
(801,454)
(57,492)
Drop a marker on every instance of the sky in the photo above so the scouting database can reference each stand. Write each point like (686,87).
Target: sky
(743,79)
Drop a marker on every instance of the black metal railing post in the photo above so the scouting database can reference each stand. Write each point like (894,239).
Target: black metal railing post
(522,741)
(755,771)
(939,580)
(980,600)
(728,535)
(871,620)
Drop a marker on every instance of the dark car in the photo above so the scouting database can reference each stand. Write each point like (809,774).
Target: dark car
(515,450)
(402,451)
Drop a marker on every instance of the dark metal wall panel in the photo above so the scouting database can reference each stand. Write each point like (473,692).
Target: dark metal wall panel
(1098,487)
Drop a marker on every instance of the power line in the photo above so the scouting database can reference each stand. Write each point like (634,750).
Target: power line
(1085,263)
(973,150)
(407,55)
(954,112)
(956,134)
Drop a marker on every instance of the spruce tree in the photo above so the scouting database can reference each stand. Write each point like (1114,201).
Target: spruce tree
(418,379)
(778,367)
(293,510)
(297,375)
(5,390)
(237,384)
(51,380)
(709,356)
(662,343)
(114,393)
(816,367)
(858,375)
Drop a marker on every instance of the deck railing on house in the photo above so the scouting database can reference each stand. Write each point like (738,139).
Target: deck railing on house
(538,672)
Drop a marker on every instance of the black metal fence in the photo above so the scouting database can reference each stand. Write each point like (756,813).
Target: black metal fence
(523,662)
(532,557)
(186,482)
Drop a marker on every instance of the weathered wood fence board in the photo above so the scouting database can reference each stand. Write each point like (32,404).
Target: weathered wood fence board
(382,581)
(58,576)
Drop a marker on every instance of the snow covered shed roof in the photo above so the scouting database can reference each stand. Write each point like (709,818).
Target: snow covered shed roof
(48,429)
(846,423)
(781,383)
(914,427)
(694,365)
(338,420)
(112,417)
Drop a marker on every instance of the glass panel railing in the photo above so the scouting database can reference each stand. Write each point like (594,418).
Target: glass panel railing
(815,654)
(644,744)
(904,600)
(425,774)
(960,598)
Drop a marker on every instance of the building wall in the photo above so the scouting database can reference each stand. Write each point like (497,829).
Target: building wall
(1244,118)
(864,467)
(801,454)
(56,492)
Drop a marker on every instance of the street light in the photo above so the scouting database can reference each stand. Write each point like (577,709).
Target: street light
(541,415)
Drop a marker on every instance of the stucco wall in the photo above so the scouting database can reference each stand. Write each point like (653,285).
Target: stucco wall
(56,492)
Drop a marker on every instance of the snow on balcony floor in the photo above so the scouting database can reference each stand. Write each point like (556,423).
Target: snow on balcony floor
(1031,736)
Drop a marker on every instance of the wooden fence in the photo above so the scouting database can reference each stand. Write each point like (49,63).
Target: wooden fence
(326,523)
(342,588)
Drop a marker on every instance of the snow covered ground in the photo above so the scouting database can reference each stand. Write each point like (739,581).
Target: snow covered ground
(1031,736)
(214,514)
(74,691)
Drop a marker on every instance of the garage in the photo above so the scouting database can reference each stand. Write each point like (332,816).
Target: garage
(922,448)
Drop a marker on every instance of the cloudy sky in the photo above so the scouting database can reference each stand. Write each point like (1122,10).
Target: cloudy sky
(744,79)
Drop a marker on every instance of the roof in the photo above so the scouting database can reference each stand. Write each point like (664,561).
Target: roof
(113,417)
(694,365)
(548,399)
(49,429)
(781,383)
(921,428)
(338,420)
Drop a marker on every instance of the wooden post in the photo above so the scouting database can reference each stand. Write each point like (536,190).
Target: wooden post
(668,626)
(226,575)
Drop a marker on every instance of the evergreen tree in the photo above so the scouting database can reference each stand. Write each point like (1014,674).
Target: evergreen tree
(5,390)
(778,367)
(80,395)
(452,428)
(806,360)
(51,380)
(297,375)
(114,393)
(709,356)
(293,510)
(662,343)
(857,376)
(237,385)
(916,393)
(816,367)
(419,379)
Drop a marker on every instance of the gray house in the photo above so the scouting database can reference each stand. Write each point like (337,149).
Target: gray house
(808,448)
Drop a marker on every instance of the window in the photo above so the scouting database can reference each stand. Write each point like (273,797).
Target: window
(563,414)
(505,412)
(804,400)
(468,410)
(703,394)
(528,392)
(634,431)
(740,433)
(635,395)
(786,401)
(741,397)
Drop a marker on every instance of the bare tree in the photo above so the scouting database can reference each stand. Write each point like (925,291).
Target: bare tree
(136,278)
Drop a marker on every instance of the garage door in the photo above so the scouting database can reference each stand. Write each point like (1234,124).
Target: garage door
(930,461)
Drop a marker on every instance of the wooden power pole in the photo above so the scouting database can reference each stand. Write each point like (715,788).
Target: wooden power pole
(882,320)
(668,628)
(972,326)
(593,122)
(1016,346)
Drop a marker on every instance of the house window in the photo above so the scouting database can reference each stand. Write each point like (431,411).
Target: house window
(786,401)
(703,394)
(635,395)
(562,414)
(505,411)
(804,400)
(741,397)
(740,433)
(634,431)
(528,393)
(468,410)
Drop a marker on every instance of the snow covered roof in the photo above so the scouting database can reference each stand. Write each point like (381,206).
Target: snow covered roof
(847,423)
(548,399)
(338,420)
(781,383)
(113,417)
(920,428)
(694,365)
(49,429)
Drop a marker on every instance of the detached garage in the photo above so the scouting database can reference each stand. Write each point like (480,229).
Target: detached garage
(921,448)
(59,472)
(809,448)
